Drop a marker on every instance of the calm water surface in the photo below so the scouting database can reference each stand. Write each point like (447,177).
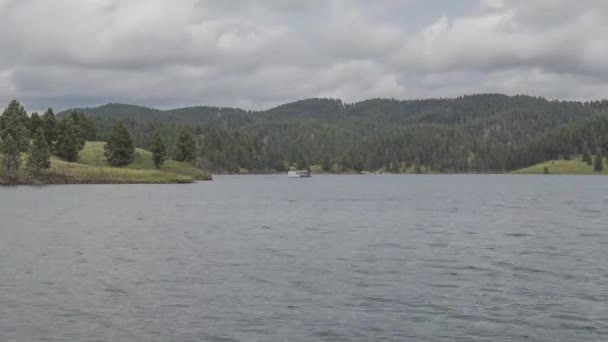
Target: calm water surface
(330,258)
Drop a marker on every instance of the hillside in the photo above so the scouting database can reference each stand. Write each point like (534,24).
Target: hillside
(92,167)
(180,116)
(93,155)
(464,110)
(562,167)
(474,133)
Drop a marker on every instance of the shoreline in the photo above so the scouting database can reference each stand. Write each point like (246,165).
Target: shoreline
(66,180)
(38,181)
(515,173)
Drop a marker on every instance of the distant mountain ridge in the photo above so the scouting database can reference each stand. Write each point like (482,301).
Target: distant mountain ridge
(435,110)
(186,115)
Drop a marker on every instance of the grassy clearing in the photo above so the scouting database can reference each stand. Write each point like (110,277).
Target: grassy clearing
(92,167)
(81,173)
(93,155)
(563,167)
(62,172)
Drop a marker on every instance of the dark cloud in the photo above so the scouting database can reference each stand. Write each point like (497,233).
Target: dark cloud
(257,54)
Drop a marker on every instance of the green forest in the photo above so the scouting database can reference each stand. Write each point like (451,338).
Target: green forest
(485,133)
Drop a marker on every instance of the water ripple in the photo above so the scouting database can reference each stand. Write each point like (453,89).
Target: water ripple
(387,258)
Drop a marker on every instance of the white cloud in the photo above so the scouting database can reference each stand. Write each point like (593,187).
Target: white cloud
(257,54)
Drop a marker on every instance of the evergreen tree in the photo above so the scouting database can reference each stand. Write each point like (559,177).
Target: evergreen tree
(598,165)
(326,164)
(185,149)
(35,124)
(119,149)
(302,164)
(587,154)
(417,165)
(69,140)
(14,112)
(357,164)
(13,137)
(278,165)
(39,157)
(49,126)
(159,150)
(11,156)
(86,124)
(13,122)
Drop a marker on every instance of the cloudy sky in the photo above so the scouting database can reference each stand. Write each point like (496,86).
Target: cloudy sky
(259,53)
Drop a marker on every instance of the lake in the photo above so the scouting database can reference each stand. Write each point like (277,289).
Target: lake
(329,258)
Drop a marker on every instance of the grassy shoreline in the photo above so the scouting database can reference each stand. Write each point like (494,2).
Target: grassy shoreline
(562,167)
(555,167)
(92,168)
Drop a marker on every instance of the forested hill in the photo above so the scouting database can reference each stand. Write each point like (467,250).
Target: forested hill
(144,115)
(475,133)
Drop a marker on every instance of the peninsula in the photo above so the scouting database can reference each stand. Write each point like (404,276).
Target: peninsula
(45,150)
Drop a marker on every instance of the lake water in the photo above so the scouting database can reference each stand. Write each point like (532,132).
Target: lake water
(330,258)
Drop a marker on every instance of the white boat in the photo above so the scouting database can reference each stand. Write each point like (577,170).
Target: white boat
(298,174)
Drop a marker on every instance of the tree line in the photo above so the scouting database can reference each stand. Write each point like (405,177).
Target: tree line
(35,138)
(476,133)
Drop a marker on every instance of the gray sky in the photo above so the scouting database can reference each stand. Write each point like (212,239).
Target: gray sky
(259,53)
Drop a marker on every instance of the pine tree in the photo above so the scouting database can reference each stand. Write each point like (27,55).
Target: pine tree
(357,163)
(11,156)
(417,166)
(185,149)
(13,123)
(587,154)
(326,164)
(39,157)
(119,149)
(49,126)
(598,165)
(69,140)
(159,150)
(86,124)
(14,111)
(35,124)
(14,138)
(302,164)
